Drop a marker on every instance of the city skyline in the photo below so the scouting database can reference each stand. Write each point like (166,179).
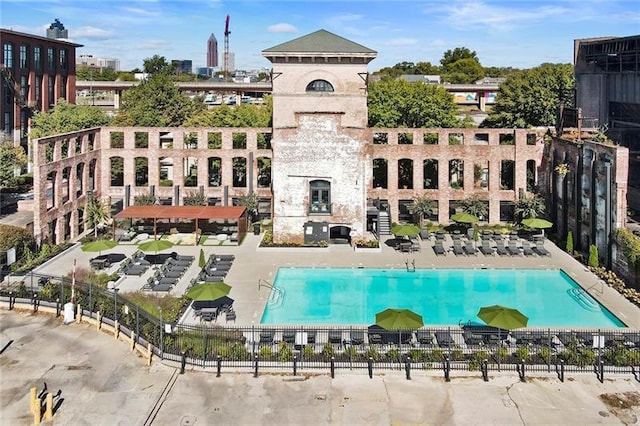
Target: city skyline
(521,35)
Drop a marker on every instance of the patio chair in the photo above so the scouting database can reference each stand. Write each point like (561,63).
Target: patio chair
(438,248)
(540,250)
(470,249)
(500,248)
(444,338)
(266,336)
(230,316)
(526,249)
(471,338)
(424,235)
(485,247)
(513,248)
(289,336)
(335,336)
(424,337)
(356,337)
(457,247)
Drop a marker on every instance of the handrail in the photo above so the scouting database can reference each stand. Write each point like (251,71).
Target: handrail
(264,283)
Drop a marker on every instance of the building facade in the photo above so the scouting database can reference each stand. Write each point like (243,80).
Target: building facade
(212,52)
(36,73)
(183,66)
(98,63)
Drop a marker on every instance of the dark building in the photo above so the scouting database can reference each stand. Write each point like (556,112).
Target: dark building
(607,71)
(212,52)
(36,73)
(57,30)
(183,66)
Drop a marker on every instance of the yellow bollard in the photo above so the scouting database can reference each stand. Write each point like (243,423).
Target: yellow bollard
(98,321)
(48,413)
(149,353)
(32,400)
(78,314)
(133,340)
(36,409)
(116,329)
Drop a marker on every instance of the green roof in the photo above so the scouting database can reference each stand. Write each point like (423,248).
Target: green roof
(321,41)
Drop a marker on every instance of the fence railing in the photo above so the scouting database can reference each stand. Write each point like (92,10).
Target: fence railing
(300,348)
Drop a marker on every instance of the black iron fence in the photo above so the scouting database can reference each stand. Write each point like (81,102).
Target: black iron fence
(299,348)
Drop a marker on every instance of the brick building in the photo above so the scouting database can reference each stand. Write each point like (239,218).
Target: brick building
(319,172)
(36,73)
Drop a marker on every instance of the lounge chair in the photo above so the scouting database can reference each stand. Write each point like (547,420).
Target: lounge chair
(513,248)
(444,338)
(526,249)
(540,250)
(486,248)
(438,248)
(289,336)
(424,235)
(424,337)
(471,338)
(470,249)
(457,247)
(356,337)
(266,336)
(335,336)
(230,316)
(500,248)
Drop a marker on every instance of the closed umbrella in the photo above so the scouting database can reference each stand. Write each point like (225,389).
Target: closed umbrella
(155,245)
(99,245)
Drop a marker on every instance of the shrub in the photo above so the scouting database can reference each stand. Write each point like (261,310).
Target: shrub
(13,236)
(328,351)
(593,256)
(265,352)
(522,353)
(284,352)
(372,353)
(570,242)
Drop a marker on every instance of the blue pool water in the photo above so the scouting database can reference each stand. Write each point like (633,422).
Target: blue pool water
(550,298)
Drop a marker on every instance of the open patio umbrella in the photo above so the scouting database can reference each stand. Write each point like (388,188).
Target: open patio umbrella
(537,223)
(99,245)
(399,319)
(155,245)
(406,230)
(502,317)
(209,291)
(464,218)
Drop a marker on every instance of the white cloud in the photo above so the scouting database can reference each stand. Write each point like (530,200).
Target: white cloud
(401,42)
(154,44)
(91,33)
(282,28)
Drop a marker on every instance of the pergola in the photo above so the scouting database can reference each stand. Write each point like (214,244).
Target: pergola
(236,214)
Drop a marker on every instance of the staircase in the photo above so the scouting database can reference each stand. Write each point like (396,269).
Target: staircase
(584,299)
(384,223)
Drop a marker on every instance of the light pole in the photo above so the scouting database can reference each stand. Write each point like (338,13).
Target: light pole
(115,304)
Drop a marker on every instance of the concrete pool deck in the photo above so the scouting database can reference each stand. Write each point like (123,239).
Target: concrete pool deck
(103,382)
(253,264)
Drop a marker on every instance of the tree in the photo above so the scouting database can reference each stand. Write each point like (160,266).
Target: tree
(463,71)
(156,102)
(13,236)
(475,206)
(93,74)
(96,212)
(422,206)
(201,259)
(157,64)
(530,98)
(399,103)
(529,207)
(570,242)
(11,158)
(67,118)
(243,115)
(451,56)
(594,261)
(250,202)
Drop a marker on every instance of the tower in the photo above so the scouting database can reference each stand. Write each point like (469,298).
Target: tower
(57,30)
(212,52)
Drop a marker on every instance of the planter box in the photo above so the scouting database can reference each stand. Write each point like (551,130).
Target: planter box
(368,249)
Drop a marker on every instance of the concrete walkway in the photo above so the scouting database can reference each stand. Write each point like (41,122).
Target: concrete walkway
(103,383)
(254,263)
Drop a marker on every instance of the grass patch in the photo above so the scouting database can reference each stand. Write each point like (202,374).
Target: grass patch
(171,306)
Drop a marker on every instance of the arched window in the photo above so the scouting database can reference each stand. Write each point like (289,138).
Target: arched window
(320,197)
(319,86)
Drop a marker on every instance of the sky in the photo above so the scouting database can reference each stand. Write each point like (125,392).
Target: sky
(519,34)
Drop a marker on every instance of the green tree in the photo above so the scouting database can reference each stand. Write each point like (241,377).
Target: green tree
(529,206)
(201,259)
(570,242)
(463,71)
(13,236)
(530,98)
(11,158)
(96,212)
(65,118)
(399,103)
(243,115)
(250,202)
(475,206)
(156,102)
(593,256)
(451,56)
(422,206)
(157,64)
(90,73)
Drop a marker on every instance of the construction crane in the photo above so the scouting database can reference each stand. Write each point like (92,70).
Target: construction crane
(226,48)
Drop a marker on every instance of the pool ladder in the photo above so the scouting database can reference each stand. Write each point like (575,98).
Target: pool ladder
(276,296)
(584,299)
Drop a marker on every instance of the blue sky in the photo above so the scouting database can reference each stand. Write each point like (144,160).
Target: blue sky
(514,33)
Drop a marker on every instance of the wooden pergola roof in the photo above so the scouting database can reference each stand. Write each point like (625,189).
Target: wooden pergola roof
(182,212)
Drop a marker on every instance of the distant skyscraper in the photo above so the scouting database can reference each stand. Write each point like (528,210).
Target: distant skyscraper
(57,30)
(232,61)
(212,52)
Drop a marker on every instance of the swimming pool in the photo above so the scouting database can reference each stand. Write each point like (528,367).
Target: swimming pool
(550,298)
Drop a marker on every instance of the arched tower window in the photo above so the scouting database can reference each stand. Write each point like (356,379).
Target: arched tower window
(319,86)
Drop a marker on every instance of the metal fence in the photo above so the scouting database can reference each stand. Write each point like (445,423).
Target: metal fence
(300,348)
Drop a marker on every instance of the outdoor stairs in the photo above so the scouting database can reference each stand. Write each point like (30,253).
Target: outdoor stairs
(584,299)
(384,223)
